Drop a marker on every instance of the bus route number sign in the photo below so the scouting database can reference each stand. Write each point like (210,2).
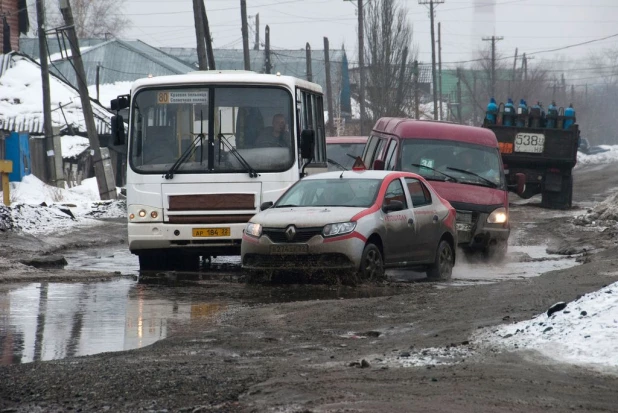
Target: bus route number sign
(182,96)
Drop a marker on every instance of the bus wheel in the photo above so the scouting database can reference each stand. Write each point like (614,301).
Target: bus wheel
(153,261)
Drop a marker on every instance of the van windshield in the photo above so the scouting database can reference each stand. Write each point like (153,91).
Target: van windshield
(467,163)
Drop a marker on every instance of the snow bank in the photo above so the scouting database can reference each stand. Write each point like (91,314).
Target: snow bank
(604,214)
(37,208)
(584,333)
(600,158)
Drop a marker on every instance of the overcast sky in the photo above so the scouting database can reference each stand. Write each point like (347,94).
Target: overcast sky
(524,24)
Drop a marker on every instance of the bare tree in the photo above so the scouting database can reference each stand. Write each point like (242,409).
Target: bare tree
(389,57)
(93,18)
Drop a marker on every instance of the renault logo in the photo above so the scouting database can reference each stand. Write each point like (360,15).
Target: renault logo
(290,232)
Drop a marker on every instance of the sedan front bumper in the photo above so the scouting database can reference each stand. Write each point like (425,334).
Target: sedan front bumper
(317,253)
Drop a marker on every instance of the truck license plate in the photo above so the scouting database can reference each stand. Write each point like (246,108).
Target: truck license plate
(211,232)
(530,142)
(289,249)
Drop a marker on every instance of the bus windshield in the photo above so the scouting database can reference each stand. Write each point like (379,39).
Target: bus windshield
(442,160)
(213,129)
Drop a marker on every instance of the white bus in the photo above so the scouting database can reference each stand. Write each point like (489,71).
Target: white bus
(205,151)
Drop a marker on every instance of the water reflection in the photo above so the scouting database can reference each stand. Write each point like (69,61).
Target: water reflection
(45,321)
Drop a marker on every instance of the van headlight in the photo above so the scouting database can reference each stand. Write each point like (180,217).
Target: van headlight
(341,228)
(498,216)
(255,230)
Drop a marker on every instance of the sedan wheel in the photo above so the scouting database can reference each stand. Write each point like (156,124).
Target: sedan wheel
(372,264)
(442,269)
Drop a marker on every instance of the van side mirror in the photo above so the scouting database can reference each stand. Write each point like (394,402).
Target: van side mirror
(378,165)
(121,102)
(521,183)
(118,130)
(307,143)
(266,205)
(392,206)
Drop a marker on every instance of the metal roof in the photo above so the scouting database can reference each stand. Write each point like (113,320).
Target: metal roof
(286,62)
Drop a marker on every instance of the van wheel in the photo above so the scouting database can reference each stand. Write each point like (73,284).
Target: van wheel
(442,268)
(372,264)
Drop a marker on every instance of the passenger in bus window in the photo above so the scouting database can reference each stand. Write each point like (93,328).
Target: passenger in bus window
(275,135)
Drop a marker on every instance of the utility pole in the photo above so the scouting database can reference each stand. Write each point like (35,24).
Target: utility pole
(98,80)
(524,65)
(401,87)
(416,92)
(515,64)
(440,67)
(199,35)
(245,34)
(474,105)
(268,67)
(209,50)
(459,103)
(54,149)
(493,40)
(329,93)
(102,164)
(361,65)
(433,53)
(308,62)
(256,44)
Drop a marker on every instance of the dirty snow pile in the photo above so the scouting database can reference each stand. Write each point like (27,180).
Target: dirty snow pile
(37,208)
(584,333)
(599,158)
(604,214)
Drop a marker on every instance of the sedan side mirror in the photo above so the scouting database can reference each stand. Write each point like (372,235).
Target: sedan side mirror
(266,205)
(393,206)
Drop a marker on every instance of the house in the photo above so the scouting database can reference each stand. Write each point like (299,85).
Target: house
(14,20)
(21,110)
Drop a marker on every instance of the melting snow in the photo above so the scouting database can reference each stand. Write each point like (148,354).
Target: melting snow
(584,333)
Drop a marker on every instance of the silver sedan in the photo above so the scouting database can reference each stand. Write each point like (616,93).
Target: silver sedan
(358,222)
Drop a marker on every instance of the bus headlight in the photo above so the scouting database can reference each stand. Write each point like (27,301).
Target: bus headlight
(255,230)
(143,213)
(498,216)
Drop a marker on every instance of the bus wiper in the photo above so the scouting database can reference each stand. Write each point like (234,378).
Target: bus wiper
(185,155)
(451,178)
(491,183)
(252,173)
(337,164)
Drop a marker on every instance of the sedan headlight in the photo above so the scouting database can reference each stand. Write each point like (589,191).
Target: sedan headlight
(498,216)
(255,230)
(342,228)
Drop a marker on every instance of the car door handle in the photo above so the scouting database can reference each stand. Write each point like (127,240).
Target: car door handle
(410,221)
(436,219)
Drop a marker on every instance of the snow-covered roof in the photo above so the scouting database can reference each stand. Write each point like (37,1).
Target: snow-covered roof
(21,101)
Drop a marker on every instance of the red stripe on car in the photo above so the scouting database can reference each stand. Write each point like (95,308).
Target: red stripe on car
(345,237)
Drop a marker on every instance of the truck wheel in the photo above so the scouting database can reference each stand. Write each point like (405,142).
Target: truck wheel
(372,264)
(442,268)
(562,199)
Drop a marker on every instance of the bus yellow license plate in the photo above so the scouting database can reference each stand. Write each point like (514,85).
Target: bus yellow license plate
(211,232)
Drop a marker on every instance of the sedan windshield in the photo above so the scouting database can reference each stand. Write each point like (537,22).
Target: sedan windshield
(441,160)
(212,129)
(331,192)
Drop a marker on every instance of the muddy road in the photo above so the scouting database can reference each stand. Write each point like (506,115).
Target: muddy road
(212,343)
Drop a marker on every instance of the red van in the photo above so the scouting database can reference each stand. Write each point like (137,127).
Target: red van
(464,166)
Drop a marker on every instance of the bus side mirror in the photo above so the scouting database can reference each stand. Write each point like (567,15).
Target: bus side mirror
(121,102)
(307,142)
(118,130)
